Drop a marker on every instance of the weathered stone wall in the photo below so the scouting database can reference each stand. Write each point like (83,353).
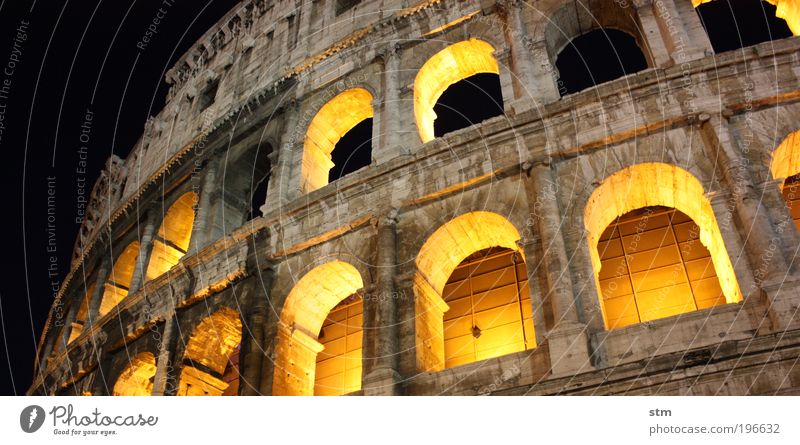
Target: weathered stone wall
(719,117)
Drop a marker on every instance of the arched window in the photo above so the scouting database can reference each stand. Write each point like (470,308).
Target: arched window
(245,179)
(490,309)
(209,354)
(320,331)
(330,126)
(599,56)
(459,62)
(338,366)
(82,315)
(137,378)
(119,281)
(785,166)
(734,24)
(172,240)
(656,246)
(472,299)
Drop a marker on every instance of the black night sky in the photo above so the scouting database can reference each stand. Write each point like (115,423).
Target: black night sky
(72,56)
(60,60)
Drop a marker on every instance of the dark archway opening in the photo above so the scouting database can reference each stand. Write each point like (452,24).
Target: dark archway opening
(468,102)
(258,197)
(353,151)
(736,24)
(599,56)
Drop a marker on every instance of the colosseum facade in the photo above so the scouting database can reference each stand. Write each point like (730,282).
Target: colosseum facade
(633,237)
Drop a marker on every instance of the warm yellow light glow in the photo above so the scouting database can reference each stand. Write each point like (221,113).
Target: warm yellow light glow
(786,158)
(338,368)
(656,184)
(788,10)
(448,66)
(172,240)
(211,345)
(490,308)
(137,378)
(444,250)
(333,121)
(654,266)
(305,310)
(116,288)
(451,24)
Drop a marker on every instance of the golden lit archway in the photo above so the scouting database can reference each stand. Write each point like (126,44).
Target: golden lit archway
(788,10)
(208,354)
(436,262)
(137,378)
(334,120)
(172,240)
(450,65)
(307,307)
(119,281)
(785,166)
(653,185)
(82,315)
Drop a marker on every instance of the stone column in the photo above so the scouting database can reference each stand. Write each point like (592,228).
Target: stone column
(665,28)
(522,65)
(99,289)
(654,34)
(254,345)
(545,74)
(568,340)
(382,377)
(165,381)
(750,211)
(389,143)
(145,249)
(203,212)
(278,190)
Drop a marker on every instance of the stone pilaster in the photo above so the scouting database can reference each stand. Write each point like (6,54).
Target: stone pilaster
(254,340)
(278,190)
(204,212)
(526,91)
(145,249)
(165,382)
(568,341)
(97,296)
(751,214)
(382,378)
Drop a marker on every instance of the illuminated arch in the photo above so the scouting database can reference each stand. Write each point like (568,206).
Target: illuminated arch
(172,240)
(334,120)
(788,10)
(450,65)
(785,166)
(657,184)
(137,378)
(208,353)
(786,158)
(442,252)
(119,281)
(303,314)
(82,315)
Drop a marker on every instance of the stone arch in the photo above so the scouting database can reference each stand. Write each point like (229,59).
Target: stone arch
(333,120)
(137,378)
(119,280)
(657,184)
(439,256)
(448,66)
(243,172)
(304,312)
(208,354)
(81,315)
(172,239)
